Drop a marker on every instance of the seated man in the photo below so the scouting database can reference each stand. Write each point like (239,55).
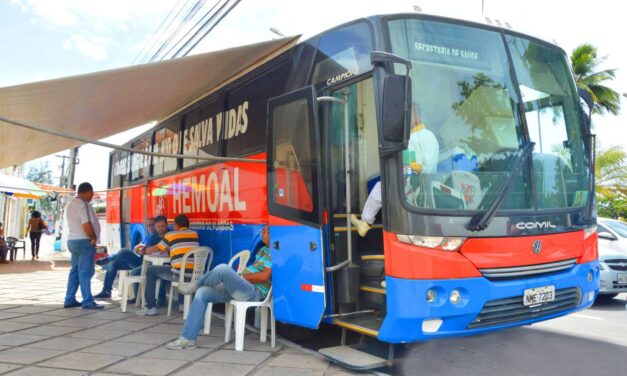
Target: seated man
(4,248)
(424,147)
(126,259)
(221,285)
(176,243)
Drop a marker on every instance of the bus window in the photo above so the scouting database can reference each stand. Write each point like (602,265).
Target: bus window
(294,167)
(140,163)
(166,141)
(200,132)
(118,169)
(343,54)
(245,126)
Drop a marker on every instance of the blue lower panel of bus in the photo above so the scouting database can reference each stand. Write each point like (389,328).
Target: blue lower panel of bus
(484,306)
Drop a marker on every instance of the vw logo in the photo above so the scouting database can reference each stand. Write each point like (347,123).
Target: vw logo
(537,247)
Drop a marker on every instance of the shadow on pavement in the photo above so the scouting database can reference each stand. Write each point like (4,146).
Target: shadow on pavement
(19,267)
(521,351)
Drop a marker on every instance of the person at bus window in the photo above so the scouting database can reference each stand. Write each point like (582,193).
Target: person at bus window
(422,155)
(221,285)
(83,232)
(36,226)
(4,248)
(174,243)
(126,259)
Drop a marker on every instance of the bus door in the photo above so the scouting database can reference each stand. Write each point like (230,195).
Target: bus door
(295,208)
(125,218)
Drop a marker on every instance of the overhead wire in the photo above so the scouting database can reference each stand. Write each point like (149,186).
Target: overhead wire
(160,30)
(217,12)
(185,37)
(181,24)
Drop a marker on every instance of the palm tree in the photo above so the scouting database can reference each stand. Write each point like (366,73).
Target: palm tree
(584,62)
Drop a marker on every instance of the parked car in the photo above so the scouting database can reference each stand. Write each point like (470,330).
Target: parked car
(612,234)
(612,256)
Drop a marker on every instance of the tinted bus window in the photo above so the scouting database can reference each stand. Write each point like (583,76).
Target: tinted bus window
(201,130)
(119,169)
(166,141)
(140,163)
(245,124)
(342,54)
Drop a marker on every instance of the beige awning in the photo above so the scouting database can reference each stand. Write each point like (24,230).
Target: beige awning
(101,104)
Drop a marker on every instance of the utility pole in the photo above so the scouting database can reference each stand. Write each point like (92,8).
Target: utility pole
(72,168)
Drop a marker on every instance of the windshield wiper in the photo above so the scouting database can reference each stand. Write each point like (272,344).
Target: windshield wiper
(480,222)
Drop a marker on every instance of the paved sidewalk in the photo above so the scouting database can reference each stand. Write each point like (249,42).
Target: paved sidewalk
(39,337)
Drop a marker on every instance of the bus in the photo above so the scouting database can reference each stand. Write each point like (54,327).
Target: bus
(499,233)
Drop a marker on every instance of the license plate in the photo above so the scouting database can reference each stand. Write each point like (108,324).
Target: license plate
(622,278)
(539,295)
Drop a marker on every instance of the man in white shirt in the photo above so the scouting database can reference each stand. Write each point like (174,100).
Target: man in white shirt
(425,150)
(84,230)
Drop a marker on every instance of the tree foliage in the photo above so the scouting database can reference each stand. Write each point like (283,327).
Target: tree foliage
(40,174)
(585,62)
(611,182)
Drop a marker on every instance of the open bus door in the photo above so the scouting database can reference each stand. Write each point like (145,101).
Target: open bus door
(295,208)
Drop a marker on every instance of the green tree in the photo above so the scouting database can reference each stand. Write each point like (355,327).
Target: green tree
(611,179)
(42,174)
(585,62)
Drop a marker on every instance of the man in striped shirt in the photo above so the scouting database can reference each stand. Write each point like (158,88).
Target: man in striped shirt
(223,284)
(175,244)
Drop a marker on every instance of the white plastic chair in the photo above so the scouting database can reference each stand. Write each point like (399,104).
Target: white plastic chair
(201,255)
(243,257)
(240,320)
(125,282)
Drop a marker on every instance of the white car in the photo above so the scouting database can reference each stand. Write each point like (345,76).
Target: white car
(612,256)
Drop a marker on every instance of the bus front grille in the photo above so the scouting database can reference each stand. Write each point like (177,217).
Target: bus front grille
(527,270)
(510,310)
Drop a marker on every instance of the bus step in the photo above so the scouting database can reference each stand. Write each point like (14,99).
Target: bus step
(372,257)
(374,289)
(368,324)
(351,357)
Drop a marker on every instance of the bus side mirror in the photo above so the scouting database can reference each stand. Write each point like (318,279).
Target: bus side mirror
(396,113)
(606,235)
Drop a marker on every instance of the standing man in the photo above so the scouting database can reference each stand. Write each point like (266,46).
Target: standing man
(84,230)
(175,243)
(126,259)
(223,284)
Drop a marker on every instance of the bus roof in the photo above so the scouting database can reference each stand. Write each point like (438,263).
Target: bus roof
(101,104)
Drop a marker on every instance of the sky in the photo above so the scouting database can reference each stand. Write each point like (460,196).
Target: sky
(44,39)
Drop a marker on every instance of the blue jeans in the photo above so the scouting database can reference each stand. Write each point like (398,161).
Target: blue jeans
(153,273)
(83,253)
(123,260)
(217,286)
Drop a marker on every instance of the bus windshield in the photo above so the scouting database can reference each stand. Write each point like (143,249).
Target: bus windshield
(468,127)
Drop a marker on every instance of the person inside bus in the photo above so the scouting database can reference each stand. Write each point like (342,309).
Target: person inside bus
(221,285)
(126,259)
(175,244)
(423,151)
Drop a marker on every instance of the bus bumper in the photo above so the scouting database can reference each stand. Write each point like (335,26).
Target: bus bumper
(410,318)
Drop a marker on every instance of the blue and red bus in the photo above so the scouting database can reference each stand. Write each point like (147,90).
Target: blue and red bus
(501,234)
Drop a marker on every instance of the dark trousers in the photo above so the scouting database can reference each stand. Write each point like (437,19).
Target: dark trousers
(34,242)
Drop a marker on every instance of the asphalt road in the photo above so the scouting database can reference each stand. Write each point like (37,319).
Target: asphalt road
(590,342)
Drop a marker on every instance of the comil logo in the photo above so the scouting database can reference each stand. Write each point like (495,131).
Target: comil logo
(534,225)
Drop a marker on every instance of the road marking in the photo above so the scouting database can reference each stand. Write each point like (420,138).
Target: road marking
(588,317)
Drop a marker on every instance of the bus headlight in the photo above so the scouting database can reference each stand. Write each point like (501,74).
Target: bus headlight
(589,231)
(455,296)
(445,243)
